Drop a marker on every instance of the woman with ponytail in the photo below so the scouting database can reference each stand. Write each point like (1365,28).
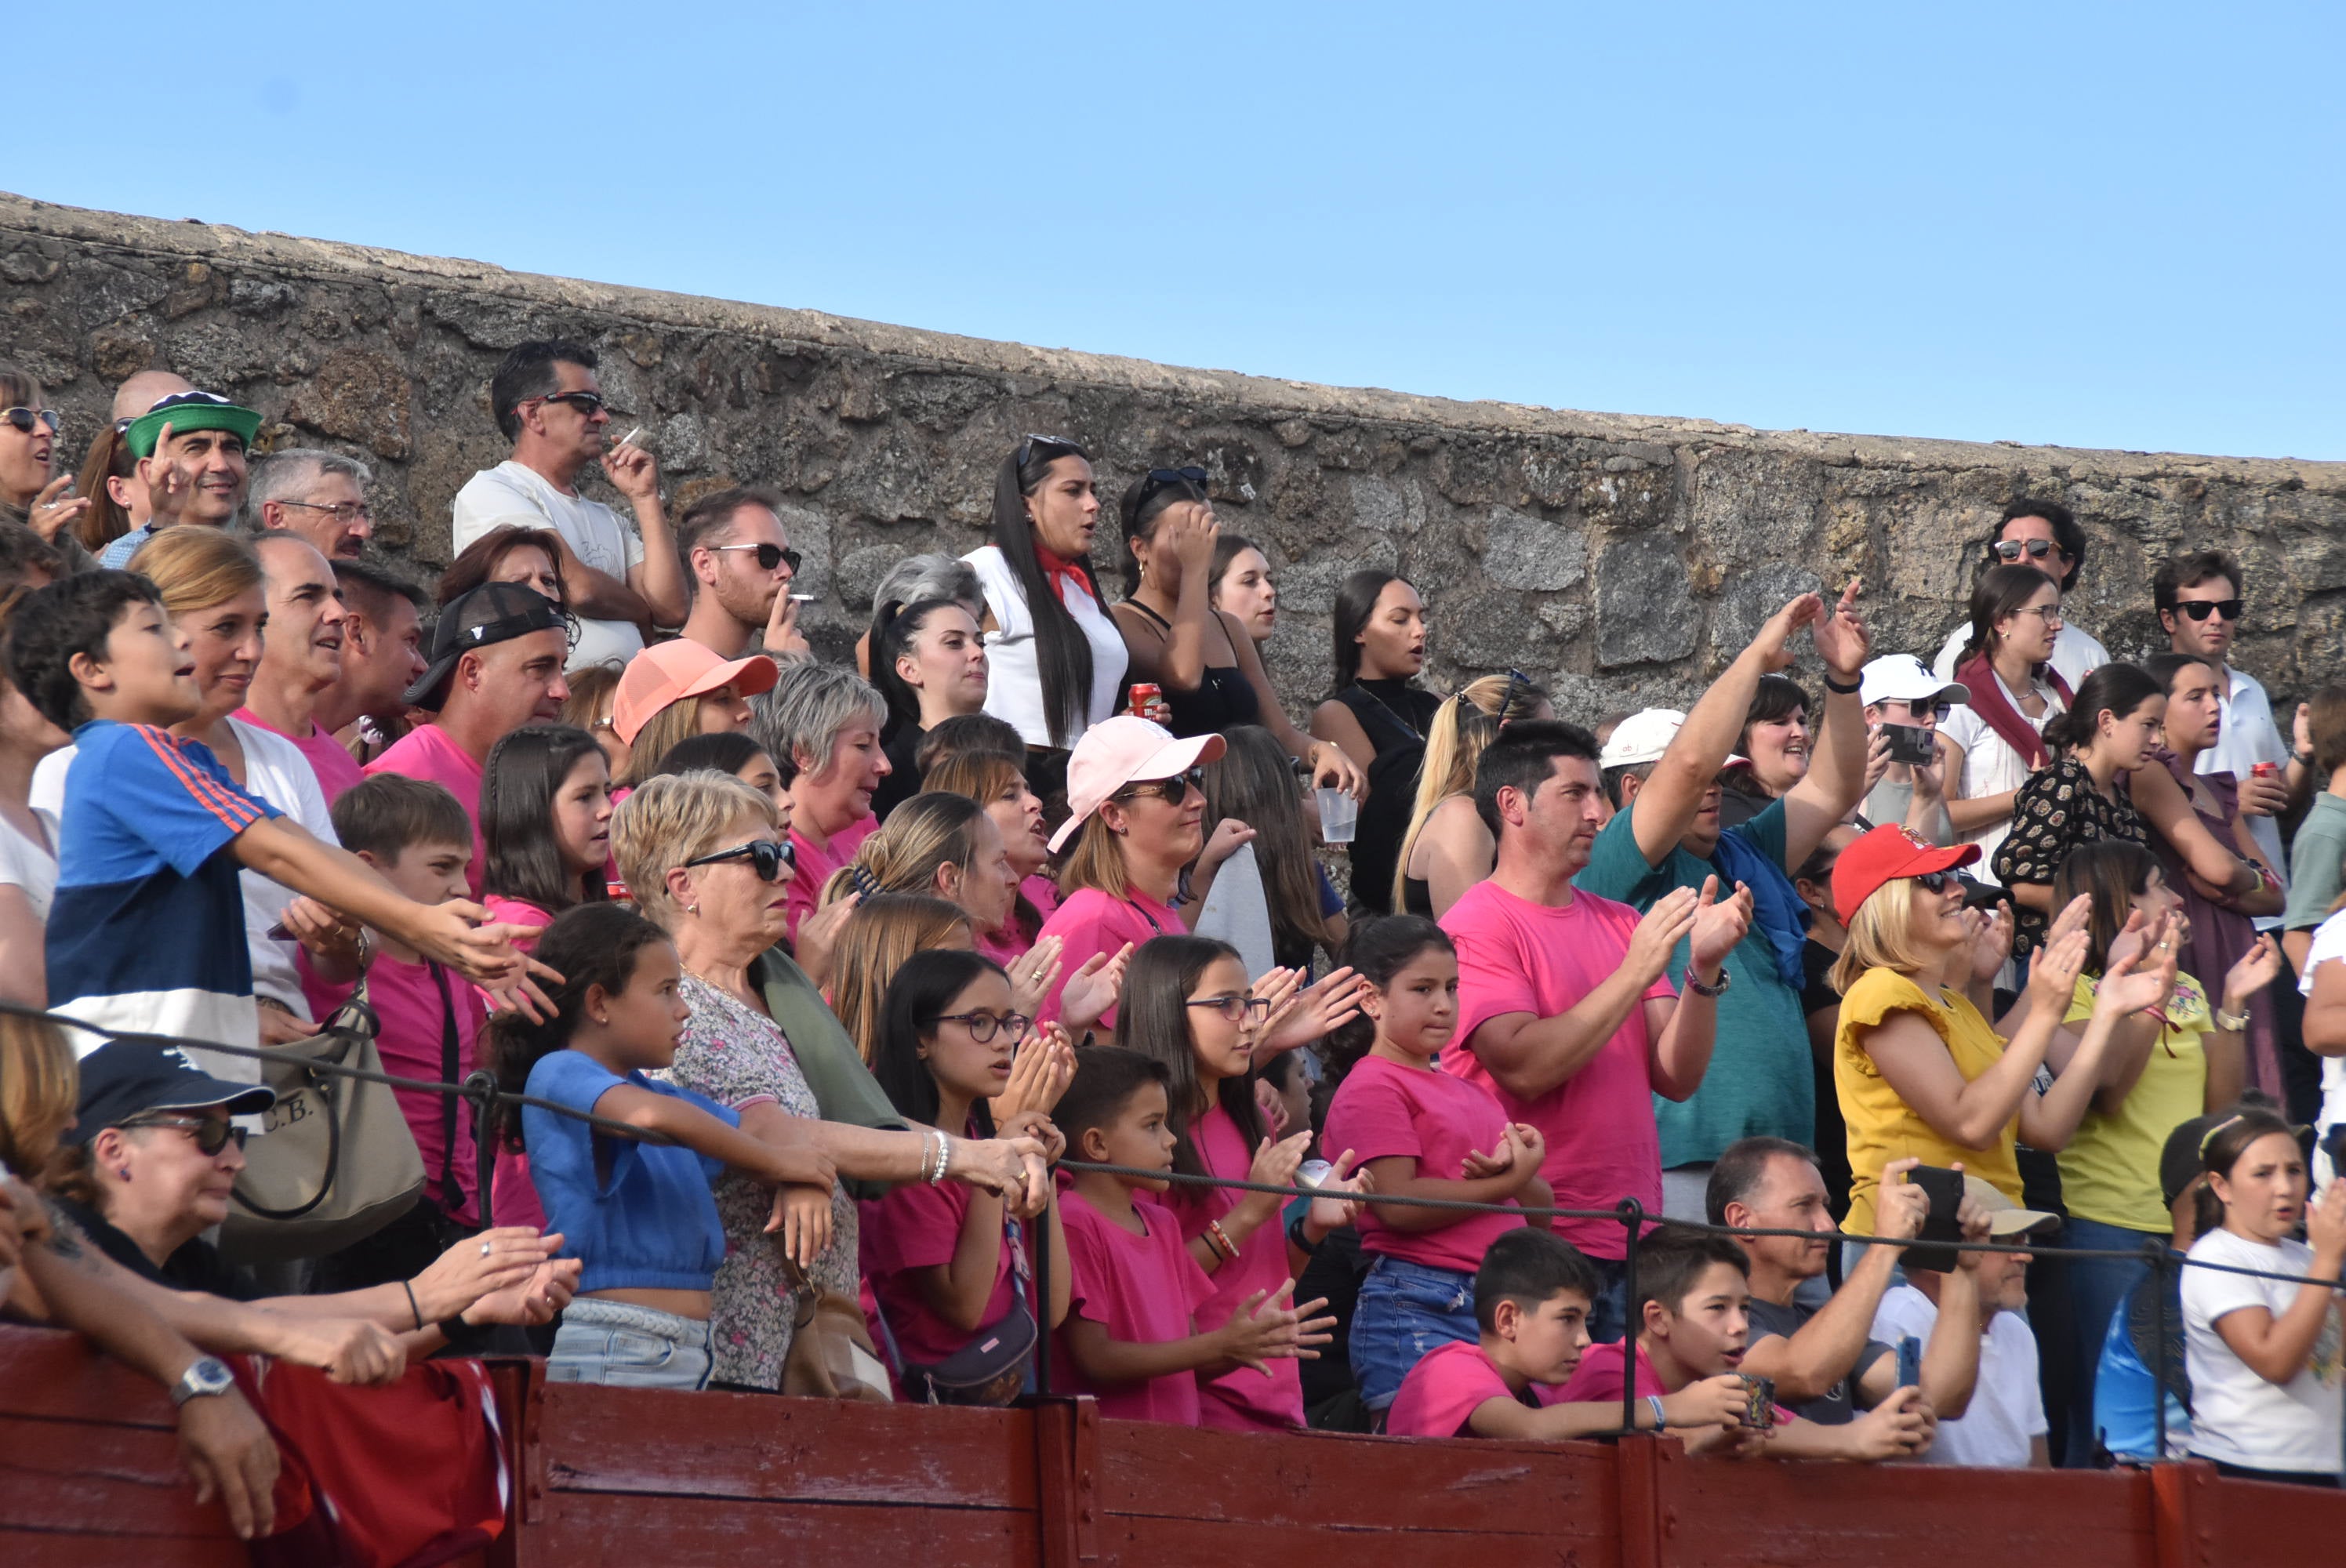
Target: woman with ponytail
(1446,849)
(928,663)
(2081,795)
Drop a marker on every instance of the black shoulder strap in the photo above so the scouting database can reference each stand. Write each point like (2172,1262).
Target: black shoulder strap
(450,1198)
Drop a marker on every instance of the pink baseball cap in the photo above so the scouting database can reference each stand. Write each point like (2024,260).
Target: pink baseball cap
(673,670)
(1126,750)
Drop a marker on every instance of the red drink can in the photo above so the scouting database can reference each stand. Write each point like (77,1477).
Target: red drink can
(2264,769)
(1147,700)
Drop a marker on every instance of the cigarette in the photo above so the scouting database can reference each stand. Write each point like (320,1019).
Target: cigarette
(631,435)
(802,599)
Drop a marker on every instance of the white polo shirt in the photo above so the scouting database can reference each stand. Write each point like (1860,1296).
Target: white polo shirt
(513,496)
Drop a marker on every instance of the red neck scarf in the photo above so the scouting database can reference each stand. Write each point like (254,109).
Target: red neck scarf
(1061,572)
(1997,712)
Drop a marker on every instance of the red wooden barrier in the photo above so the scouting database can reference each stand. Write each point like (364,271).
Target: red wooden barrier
(89,1474)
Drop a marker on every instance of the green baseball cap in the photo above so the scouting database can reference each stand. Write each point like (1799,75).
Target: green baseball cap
(184,412)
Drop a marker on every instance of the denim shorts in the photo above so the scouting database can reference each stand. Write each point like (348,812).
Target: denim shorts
(626,1347)
(1406,1311)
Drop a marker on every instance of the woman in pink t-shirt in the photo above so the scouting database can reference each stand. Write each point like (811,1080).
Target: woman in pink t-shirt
(997,782)
(941,1258)
(1187,1003)
(545,823)
(1419,1133)
(821,725)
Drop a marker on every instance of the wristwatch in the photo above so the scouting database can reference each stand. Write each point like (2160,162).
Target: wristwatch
(1699,989)
(205,1374)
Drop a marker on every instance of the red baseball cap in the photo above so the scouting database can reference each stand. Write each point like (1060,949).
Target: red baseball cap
(1884,855)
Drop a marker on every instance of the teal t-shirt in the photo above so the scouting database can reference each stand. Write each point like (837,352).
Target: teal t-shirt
(2316,864)
(1760,1078)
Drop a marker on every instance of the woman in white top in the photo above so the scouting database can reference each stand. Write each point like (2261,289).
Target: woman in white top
(1056,660)
(28,854)
(1992,743)
(2264,1354)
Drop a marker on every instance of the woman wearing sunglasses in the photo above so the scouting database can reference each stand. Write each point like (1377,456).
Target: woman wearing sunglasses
(28,439)
(1919,1070)
(706,857)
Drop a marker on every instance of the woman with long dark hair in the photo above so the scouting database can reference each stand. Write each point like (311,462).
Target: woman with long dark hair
(1255,782)
(1057,660)
(1376,712)
(545,823)
(1990,745)
(2081,795)
(928,665)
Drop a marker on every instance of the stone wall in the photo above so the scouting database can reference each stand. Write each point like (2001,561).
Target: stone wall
(1621,558)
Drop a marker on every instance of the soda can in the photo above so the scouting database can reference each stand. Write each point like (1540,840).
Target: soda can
(2264,769)
(1147,700)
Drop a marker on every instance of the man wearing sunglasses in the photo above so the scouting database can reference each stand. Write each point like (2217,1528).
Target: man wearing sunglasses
(620,582)
(740,568)
(2043,535)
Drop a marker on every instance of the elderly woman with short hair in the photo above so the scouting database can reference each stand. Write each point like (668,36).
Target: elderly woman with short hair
(703,854)
(821,724)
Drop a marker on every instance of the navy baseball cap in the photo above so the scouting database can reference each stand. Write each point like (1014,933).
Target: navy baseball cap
(126,1079)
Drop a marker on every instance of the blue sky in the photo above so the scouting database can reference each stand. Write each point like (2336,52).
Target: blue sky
(2096,226)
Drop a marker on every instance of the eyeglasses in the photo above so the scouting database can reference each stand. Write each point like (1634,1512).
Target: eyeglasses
(985,1026)
(766,857)
(1172,791)
(211,1135)
(769,555)
(343,512)
(1027,444)
(25,419)
(1234,1008)
(2201,610)
(2035,549)
(1937,882)
(585,403)
(2052,613)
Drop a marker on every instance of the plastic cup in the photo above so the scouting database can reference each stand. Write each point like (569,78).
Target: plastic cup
(1311,1173)
(1339,813)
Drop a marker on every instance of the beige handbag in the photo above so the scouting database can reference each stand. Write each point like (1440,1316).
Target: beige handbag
(830,1355)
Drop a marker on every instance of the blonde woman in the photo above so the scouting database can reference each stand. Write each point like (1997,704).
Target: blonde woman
(944,846)
(1446,849)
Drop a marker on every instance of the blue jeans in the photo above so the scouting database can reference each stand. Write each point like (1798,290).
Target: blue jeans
(625,1347)
(2097,1289)
(1407,1311)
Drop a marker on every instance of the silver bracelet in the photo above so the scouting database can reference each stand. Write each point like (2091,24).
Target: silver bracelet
(937,1175)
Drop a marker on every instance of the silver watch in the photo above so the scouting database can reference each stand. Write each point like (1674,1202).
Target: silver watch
(205,1374)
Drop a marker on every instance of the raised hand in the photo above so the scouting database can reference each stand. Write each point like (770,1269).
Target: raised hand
(1313,1014)
(783,639)
(1842,639)
(633,472)
(1773,643)
(169,487)
(55,508)
(2053,978)
(1991,934)
(1092,990)
(1718,924)
(1033,974)
(1658,934)
(2258,968)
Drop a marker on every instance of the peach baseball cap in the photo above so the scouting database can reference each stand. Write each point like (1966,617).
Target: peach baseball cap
(673,670)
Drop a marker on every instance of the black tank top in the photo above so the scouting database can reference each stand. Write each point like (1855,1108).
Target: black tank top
(1224,697)
(1394,714)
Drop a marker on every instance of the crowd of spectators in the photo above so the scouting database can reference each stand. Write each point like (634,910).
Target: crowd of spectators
(833,965)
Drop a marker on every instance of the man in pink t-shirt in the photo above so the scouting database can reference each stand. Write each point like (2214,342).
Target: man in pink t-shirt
(1564,1012)
(301,657)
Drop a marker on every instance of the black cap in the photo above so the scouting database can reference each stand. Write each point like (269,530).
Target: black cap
(492,613)
(123,1079)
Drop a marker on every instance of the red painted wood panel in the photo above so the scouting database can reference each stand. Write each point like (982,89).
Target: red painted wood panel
(586,1529)
(50,1372)
(80,1475)
(1159,1543)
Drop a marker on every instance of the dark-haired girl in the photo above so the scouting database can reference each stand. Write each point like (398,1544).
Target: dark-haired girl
(929,664)
(1419,1132)
(940,1258)
(638,1215)
(1056,659)
(2264,1355)
(2080,795)
(1377,713)
(1187,1003)
(545,823)
(1990,743)
(1201,658)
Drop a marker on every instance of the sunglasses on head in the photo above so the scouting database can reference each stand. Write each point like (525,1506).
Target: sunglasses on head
(1172,791)
(210,1135)
(769,555)
(1027,444)
(766,857)
(1159,478)
(25,419)
(2201,610)
(2013,549)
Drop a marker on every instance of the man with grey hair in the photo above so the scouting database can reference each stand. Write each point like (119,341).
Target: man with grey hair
(739,567)
(319,494)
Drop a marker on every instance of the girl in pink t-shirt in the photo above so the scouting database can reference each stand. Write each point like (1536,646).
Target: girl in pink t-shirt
(1187,1004)
(1419,1133)
(939,1257)
(546,824)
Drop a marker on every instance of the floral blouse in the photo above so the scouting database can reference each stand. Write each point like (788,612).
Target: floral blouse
(738,1056)
(2055,812)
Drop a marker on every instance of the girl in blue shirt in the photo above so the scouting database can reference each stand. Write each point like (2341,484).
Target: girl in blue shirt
(637,1214)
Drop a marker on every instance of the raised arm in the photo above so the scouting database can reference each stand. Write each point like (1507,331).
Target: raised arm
(1836,778)
(658,577)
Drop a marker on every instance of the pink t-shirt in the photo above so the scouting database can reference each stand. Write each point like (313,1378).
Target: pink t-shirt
(1244,1399)
(1515,956)
(1091,922)
(407,1002)
(517,912)
(1384,1110)
(914,1226)
(336,768)
(811,867)
(1598,1381)
(1143,1289)
(1445,1389)
(425,752)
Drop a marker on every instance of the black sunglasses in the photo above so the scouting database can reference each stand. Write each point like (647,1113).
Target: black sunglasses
(766,857)
(985,1026)
(769,555)
(1159,478)
(1172,791)
(2013,549)
(1027,444)
(585,403)
(25,419)
(2201,610)
(210,1135)
(1937,882)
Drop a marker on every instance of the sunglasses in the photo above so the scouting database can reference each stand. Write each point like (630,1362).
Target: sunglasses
(210,1135)
(1027,444)
(769,555)
(1172,791)
(2201,610)
(25,419)
(2035,549)
(766,857)
(1158,478)
(985,1026)
(1942,711)
(1937,882)
(1234,1008)
(585,403)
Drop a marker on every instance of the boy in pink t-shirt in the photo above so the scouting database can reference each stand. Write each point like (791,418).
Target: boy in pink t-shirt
(1131,1333)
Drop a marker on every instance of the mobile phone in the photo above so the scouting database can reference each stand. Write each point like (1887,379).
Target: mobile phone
(1910,743)
(1909,1362)
(1945,1190)
(1758,1402)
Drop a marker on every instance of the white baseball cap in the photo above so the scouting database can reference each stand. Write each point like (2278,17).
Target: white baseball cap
(1644,736)
(1903,678)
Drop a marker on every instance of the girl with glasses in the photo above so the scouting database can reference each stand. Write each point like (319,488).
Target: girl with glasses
(940,1258)
(1992,743)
